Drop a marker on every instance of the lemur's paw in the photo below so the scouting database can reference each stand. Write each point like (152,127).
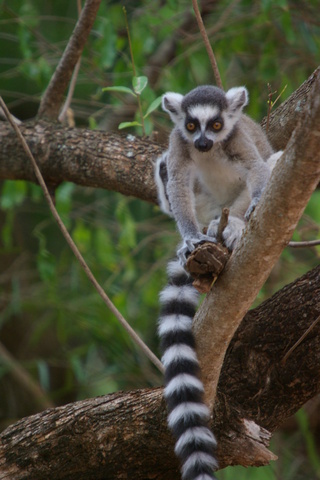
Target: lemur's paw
(231,234)
(190,243)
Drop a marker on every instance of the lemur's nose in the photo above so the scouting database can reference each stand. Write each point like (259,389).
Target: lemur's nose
(203,144)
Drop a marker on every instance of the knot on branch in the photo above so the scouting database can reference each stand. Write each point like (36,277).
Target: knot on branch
(208,260)
(206,263)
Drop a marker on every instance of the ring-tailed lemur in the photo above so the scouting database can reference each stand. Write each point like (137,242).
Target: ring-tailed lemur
(217,157)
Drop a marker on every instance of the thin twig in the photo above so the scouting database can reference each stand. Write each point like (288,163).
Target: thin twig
(15,119)
(73,81)
(53,96)
(75,250)
(289,352)
(211,56)
(134,69)
(222,224)
(306,244)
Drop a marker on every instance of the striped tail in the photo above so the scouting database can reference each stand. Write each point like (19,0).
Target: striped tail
(188,415)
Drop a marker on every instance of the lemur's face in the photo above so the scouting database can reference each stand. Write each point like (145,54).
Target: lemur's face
(206,115)
(204,125)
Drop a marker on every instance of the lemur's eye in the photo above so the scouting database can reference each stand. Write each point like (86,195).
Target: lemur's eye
(217,125)
(191,126)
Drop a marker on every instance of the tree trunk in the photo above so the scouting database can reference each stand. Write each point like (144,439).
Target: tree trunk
(270,370)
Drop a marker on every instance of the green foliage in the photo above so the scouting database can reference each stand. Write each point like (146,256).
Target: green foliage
(309,441)
(138,84)
(13,193)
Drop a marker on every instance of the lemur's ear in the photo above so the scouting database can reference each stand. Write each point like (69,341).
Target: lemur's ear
(171,103)
(238,98)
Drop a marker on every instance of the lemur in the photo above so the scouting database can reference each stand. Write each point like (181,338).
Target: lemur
(217,157)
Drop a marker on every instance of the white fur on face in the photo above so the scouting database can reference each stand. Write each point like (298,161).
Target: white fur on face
(203,113)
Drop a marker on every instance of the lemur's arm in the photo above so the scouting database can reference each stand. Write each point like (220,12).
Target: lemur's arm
(181,197)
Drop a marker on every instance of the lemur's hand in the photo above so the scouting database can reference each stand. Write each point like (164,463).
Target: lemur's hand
(190,243)
(232,232)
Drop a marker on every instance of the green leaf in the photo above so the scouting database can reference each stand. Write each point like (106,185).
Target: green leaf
(119,89)
(13,193)
(82,236)
(46,264)
(105,42)
(129,124)
(139,84)
(153,106)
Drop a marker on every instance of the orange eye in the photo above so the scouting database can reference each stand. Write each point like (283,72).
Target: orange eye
(217,125)
(191,126)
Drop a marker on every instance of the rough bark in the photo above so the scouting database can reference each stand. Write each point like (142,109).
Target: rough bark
(85,157)
(124,435)
(283,120)
(271,226)
(111,161)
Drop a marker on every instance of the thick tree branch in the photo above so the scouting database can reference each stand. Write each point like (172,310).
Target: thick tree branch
(53,97)
(86,157)
(270,229)
(125,435)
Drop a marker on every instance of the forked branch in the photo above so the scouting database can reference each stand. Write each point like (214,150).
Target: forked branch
(271,226)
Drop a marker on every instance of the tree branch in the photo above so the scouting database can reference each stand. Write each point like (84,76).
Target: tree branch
(207,44)
(283,120)
(271,226)
(52,99)
(73,80)
(125,433)
(86,157)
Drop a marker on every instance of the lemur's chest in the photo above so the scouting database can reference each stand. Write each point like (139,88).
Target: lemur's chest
(221,177)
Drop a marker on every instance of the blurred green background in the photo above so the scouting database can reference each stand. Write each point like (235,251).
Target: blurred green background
(51,320)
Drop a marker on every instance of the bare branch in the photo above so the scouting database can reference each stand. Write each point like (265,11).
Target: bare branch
(306,244)
(73,82)
(206,41)
(271,226)
(53,97)
(223,223)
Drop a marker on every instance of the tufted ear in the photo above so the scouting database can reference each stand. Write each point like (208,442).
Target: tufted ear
(237,98)
(171,103)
